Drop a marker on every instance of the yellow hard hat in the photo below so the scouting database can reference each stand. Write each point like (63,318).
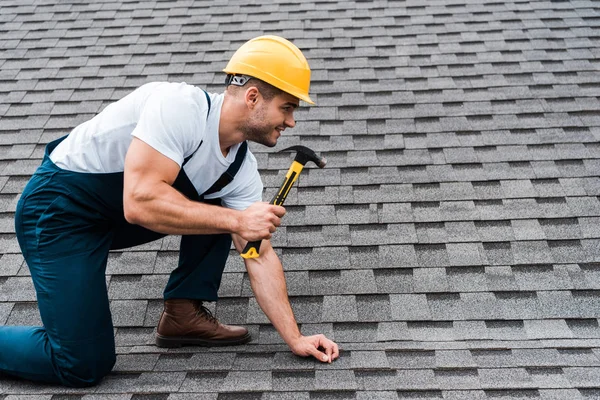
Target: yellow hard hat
(276,61)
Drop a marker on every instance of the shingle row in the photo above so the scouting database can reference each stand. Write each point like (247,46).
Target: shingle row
(530,315)
(129,283)
(583,250)
(474,15)
(478,394)
(352,384)
(329,242)
(567,158)
(449,74)
(561,143)
(361,83)
(459,101)
(574,203)
(346,136)
(399,359)
(431,255)
(302,224)
(363,336)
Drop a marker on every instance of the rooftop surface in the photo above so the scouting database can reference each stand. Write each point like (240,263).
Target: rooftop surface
(452,244)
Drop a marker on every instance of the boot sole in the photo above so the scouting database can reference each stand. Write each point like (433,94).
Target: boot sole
(174,342)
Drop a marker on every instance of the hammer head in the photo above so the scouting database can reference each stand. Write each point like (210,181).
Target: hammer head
(304,155)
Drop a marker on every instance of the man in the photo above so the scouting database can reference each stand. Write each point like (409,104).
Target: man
(159,161)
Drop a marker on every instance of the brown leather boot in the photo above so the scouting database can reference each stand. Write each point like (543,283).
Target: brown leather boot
(188,322)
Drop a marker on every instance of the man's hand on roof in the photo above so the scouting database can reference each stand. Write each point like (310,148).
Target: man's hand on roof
(317,346)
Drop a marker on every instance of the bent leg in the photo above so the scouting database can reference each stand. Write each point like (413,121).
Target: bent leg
(66,253)
(185,321)
(201,263)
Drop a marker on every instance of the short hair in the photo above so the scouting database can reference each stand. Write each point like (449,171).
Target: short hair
(267,90)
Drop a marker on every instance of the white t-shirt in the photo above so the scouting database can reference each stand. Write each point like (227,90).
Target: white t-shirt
(172,118)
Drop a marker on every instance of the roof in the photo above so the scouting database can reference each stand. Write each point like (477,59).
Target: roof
(451,246)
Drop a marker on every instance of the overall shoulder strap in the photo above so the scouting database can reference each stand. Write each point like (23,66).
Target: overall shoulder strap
(207,101)
(228,175)
(185,160)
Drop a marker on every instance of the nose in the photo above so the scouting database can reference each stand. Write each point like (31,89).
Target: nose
(289,121)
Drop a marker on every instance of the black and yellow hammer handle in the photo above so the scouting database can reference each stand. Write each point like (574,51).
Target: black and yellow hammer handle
(252,248)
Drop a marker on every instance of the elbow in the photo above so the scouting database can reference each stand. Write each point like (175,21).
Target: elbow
(131,215)
(133,212)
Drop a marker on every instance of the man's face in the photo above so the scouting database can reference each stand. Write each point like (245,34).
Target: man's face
(270,118)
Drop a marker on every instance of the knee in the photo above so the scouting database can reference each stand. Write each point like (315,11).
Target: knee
(87,367)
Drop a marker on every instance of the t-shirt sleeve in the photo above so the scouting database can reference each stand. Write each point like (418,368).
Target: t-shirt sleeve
(170,122)
(245,189)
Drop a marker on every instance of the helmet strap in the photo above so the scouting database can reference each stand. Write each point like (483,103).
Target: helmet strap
(236,80)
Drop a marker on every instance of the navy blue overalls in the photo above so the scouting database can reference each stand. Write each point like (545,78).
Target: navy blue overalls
(66,223)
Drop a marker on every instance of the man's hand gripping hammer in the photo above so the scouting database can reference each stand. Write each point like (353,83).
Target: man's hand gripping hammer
(303,155)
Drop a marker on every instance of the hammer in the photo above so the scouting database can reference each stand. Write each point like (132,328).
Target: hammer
(303,155)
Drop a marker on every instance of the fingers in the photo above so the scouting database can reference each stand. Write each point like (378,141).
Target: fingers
(275,222)
(278,210)
(312,346)
(275,218)
(331,348)
(260,221)
(318,355)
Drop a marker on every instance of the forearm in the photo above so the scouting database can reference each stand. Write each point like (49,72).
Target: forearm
(268,284)
(269,287)
(164,209)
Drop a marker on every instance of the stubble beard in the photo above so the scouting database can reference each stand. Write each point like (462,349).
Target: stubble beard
(257,130)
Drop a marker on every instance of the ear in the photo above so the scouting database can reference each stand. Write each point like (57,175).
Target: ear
(252,97)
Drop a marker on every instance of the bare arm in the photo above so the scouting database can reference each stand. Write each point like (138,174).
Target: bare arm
(269,287)
(150,200)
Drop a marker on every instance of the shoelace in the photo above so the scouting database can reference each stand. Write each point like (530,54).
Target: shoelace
(201,309)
